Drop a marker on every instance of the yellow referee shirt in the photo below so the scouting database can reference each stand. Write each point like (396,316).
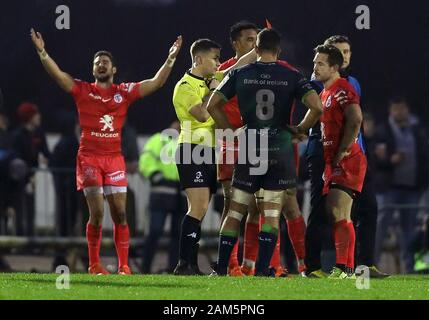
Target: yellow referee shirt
(189,92)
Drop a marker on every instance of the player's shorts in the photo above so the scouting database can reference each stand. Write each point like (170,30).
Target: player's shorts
(350,174)
(197,169)
(228,154)
(280,174)
(98,171)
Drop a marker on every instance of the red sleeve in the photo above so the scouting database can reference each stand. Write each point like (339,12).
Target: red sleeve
(131,90)
(352,96)
(77,88)
(284,63)
(227,64)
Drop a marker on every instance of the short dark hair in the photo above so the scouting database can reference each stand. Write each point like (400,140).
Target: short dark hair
(338,39)
(235,31)
(107,54)
(335,57)
(269,40)
(203,45)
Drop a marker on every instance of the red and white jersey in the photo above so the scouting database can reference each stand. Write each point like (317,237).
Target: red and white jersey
(231,108)
(102,115)
(332,120)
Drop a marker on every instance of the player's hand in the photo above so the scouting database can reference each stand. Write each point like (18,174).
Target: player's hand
(339,157)
(37,39)
(297,135)
(341,97)
(175,48)
(213,83)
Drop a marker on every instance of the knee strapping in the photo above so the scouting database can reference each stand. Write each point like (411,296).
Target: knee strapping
(241,197)
(271,213)
(89,191)
(108,190)
(235,215)
(273,196)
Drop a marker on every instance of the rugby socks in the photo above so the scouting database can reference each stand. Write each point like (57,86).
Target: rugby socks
(275,259)
(351,251)
(342,238)
(122,243)
(296,230)
(227,241)
(267,240)
(196,246)
(251,245)
(93,237)
(233,260)
(189,237)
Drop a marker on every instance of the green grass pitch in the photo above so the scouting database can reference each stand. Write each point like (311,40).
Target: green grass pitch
(15,286)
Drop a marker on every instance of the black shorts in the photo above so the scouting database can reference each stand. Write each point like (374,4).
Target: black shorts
(197,169)
(280,174)
(352,193)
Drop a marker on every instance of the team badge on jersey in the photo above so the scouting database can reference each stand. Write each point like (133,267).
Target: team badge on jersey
(107,121)
(328,102)
(118,98)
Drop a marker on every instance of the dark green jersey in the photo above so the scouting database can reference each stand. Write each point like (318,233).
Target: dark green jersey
(266,94)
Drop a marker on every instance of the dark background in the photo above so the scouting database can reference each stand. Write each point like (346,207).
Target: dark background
(390,59)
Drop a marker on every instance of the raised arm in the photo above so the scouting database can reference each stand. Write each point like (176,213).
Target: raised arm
(151,85)
(249,57)
(64,80)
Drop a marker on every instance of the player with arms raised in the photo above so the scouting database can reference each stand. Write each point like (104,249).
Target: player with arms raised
(102,107)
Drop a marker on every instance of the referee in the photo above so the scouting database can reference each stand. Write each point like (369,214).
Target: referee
(195,155)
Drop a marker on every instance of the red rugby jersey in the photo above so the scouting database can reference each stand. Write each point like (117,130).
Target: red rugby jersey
(231,107)
(332,119)
(102,115)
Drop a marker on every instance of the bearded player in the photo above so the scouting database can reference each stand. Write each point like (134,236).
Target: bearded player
(102,107)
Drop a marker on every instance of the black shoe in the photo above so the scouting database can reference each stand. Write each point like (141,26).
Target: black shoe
(185,269)
(269,272)
(182,269)
(196,270)
(377,274)
(349,271)
(216,271)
